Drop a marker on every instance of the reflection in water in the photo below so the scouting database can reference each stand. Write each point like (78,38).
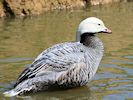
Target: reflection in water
(21,40)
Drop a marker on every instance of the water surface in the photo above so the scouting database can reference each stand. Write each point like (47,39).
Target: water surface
(22,39)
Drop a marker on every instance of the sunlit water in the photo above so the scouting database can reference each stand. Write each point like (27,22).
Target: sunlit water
(21,40)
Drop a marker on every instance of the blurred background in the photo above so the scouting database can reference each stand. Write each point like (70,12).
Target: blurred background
(26,30)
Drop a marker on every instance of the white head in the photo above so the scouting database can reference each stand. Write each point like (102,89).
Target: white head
(91,25)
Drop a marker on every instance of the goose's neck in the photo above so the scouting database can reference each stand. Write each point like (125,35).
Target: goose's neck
(90,40)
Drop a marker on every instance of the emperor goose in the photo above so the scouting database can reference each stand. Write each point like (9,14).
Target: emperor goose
(65,65)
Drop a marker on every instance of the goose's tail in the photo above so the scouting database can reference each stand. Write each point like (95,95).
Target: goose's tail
(19,89)
(30,85)
(11,93)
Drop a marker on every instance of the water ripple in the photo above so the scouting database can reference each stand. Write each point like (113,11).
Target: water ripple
(14,60)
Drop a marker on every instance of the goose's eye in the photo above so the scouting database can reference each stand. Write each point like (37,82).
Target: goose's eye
(99,24)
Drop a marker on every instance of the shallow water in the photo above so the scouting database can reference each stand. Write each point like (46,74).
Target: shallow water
(21,40)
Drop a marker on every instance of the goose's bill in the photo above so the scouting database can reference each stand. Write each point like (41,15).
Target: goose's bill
(107,31)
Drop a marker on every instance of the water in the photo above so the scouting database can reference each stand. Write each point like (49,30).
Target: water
(21,40)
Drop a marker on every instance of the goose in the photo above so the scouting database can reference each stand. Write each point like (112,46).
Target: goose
(65,65)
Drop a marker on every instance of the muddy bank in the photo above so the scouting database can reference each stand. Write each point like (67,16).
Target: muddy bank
(12,8)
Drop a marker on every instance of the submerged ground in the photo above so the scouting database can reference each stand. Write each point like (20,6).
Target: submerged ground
(21,40)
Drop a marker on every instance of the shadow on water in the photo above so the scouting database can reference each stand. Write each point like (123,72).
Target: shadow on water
(21,40)
(69,94)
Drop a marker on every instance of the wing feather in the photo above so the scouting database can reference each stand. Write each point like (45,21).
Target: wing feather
(60,57)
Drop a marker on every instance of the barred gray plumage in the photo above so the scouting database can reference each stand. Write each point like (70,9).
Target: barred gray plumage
(64,65)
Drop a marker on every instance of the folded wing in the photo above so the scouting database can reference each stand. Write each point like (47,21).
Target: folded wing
(59,58)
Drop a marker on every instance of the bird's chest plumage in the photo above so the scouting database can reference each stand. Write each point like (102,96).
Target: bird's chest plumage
(84,68)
